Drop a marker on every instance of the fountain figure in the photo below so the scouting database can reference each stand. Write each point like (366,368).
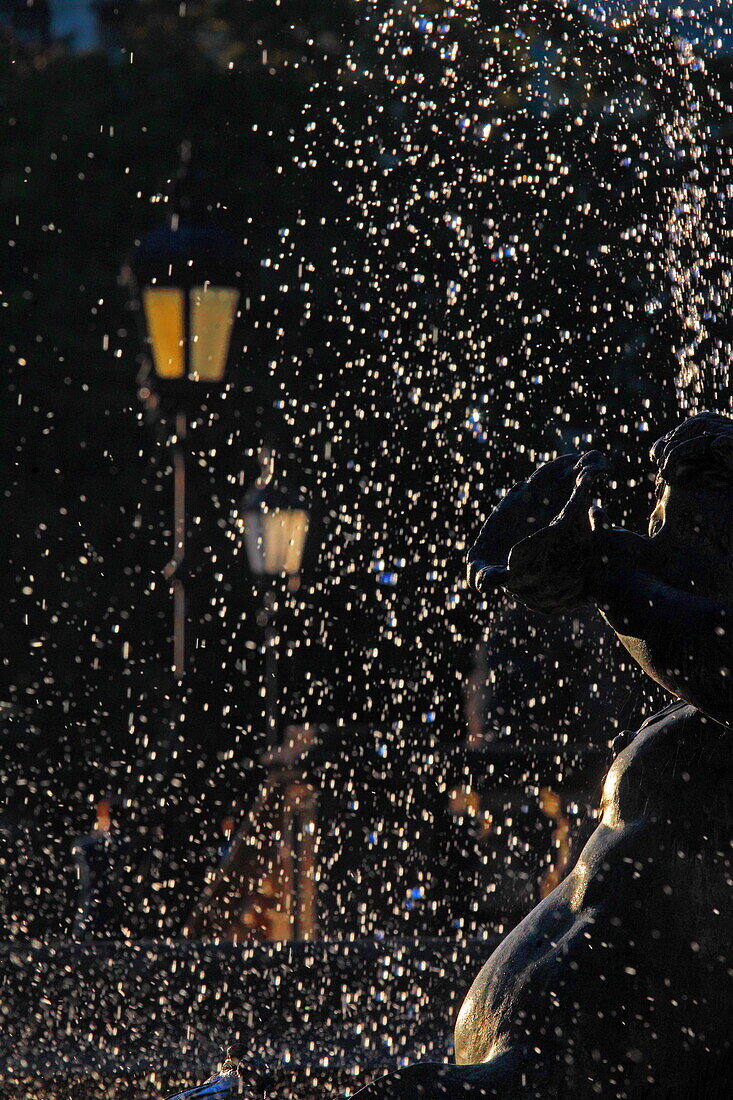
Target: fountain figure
(618,983)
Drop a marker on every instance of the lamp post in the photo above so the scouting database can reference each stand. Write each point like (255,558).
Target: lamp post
(274,520)
(184,281)
(267,879)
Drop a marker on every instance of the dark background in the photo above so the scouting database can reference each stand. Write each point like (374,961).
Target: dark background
(472,240)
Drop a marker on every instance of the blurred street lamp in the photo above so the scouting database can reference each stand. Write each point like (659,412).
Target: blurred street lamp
(274,519)
(189,323)
(186,276)
(184,282)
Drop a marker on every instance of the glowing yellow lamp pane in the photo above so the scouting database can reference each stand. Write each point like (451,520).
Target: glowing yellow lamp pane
(164,317)
(212,316)
(284,540)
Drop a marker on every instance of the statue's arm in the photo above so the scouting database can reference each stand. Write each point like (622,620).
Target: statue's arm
(538,543)
(638,604)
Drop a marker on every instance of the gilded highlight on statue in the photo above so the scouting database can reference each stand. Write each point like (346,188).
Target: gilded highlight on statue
(618,984)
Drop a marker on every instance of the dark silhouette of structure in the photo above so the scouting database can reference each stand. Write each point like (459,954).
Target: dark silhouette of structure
(617,983)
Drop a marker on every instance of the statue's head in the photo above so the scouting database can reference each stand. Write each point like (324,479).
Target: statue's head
(692,521)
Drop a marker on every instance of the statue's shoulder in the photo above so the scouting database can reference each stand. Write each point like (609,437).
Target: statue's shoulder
(678,755)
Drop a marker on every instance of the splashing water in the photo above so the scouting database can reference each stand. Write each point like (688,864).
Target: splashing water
(506,236)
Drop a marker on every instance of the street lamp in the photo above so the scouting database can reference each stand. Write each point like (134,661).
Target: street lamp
(184,281)
(270,868)
(189,318)
(274,520)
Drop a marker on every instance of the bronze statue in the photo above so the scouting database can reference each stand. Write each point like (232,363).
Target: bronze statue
(618,984)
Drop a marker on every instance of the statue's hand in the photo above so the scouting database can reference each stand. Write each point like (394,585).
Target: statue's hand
(527,507)
(547,541)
